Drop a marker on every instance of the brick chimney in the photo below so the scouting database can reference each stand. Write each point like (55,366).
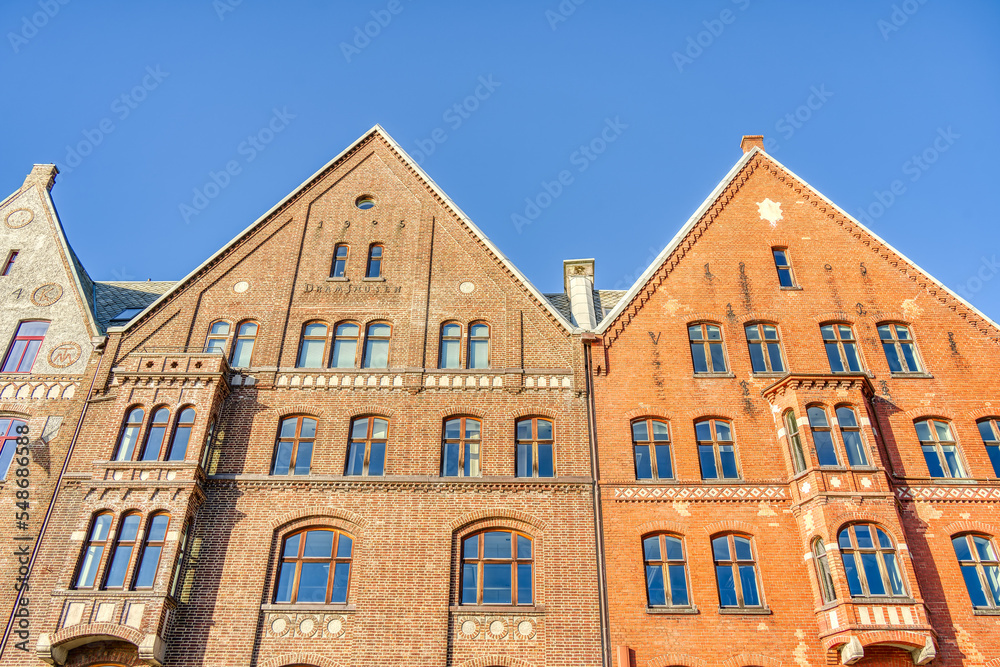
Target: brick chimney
(751,140)
(43,174)
(578,281)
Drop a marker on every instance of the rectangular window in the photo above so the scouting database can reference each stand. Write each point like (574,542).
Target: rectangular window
(940,449)
(339,269)
(707,352)
(535,448)
(990,431)
(900,350)
(24,348)
(9,264)
(765,348)
(374,262)
(841,348)
(783,264)
(716,449)
(651,447)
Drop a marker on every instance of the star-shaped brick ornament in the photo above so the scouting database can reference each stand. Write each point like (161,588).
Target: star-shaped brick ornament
(770,211)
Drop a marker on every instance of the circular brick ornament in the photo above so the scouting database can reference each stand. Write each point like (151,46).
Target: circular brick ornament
(241,286)
(525,628)
(498,628)
(65,355)
(335,626)
(19,218)
(469,628)
(307,626)
(47,294)
(279,626)
(467,287)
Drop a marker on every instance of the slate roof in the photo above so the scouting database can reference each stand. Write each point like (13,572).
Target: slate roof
(112,297)
(604,301)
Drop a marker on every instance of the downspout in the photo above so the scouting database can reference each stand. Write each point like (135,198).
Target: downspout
(595,474)
(52,503)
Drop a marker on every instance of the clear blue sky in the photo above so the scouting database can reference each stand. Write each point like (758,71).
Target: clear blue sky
(892,77)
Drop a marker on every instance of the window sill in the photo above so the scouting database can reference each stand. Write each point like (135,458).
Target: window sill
(883,599)
(770,374)
(378,279)
(669,611)
(793,288)
(911,376)
(338,279)
(285,607)
(698,376)
(953,480)
(739,611)
(497,608)
(986,612)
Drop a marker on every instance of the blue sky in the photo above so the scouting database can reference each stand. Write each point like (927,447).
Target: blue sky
(161,95)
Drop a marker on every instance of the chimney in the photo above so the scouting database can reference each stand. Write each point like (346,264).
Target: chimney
(43,174)
(751,140)
(578,281)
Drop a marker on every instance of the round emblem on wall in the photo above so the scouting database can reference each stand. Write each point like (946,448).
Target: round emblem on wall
(241,286)
(65,355)
(467,287)
(47,294)
(19,218)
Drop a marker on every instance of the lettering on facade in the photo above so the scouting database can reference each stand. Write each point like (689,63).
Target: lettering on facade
(951,343)
(47,294)
(656,338)
(708,273)
(860,308)
(65,355)
(310,288)
(864,269)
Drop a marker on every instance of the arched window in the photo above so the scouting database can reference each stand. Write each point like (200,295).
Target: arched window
(312,351)
(340,253)
(736,571)
(460,450)
(451,346)
(707,352)
(651,447)
(155,434)
(24,348)
(940,449)
(841,348)
(218,334)
(93,552)
(795,441)
(900,350)
(377,345)
(535,448)
(977,556)
(130,435)
(496,568)
(666,576)
(121,557)
(822,563)
(149,559)
(869,561)
(850,431)
(765,348)
(374,261)
(479,345)
(10,431)
(181,436)
(826,451)
(366,454)
(246,334)
(345,345)
(315,567)
(716,449)
(989,429)
(293,451)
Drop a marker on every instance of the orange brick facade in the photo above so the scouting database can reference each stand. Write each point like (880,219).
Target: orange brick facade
(232,521)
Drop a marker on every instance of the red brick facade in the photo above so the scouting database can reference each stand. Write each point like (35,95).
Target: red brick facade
(233,522)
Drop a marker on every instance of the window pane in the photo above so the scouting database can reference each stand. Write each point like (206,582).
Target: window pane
(471,428)
(727,456)
(785,277)
(545,463)
(341,576)
(380,428)
(544,429)
(344,352)
(892,569)
(497,544)
(178,446)
(752,332)
(524,429)
(727,586)
(911,357)
(675,551)
(471,468)
(824,448)
(855,449)
(496,583)
(986,432)
(147,569)
(720,548)
(698,357)
(743,551)
(153,443)
(651,548)
(89,568)
(706,454)
(943,431)
(844,539)
(757,358)
(523,547)
(660,431)
(993,581)
(654,585)
(694,332)
(119,564)
(319,544)
(984,548)
(923,431)
(748,581)
(779,258)
(242,353)
(817,417)
(282,458)
(344,545)
(826,331)
(853,579)
(994,453)
(846,417)
(774,354)
(678,585)
(376,353)
(975,586)
(14,356)
(479,354)
(722,431)
(29,356)
(450,463)
(892,357)
(863,535)
(718,358)
(714,332)
(312,582)
(311,355)
(643,464)
(951,458)
(833,355)
(884,332)
(376,459)
(640,431)
(853,362)
(872,574)
(664,470)
(285,580)
(291,547)
(469,571)
(524,583)
(933,462)
(703,430)
(524,461)
(127,446)
(450,354)
(356,459)
(961,545)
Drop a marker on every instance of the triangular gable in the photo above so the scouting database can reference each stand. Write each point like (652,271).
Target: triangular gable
(640,292)
(298,192)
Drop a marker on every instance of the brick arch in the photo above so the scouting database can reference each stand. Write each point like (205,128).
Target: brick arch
(703,316)
(289,659)
(294,408)
(733,525)
(995,662)
(663,525)
(889,316)
(765,316)
(929,411)
(458,411)
(119,657)
(636,413)
(499,514)
(98,632)
(676,659)
(532,411)
(971,527)
(742,659)
(319,512)
(897,637)
(378,316)
(371,409)
(495,661)
(839,521)
(835,316)
(980,413)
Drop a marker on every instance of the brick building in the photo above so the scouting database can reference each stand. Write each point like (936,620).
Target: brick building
(357,434)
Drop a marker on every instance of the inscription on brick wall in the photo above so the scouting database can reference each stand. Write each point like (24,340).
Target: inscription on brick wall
(310,288)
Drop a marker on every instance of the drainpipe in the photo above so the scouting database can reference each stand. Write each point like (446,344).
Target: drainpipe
(595,474)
